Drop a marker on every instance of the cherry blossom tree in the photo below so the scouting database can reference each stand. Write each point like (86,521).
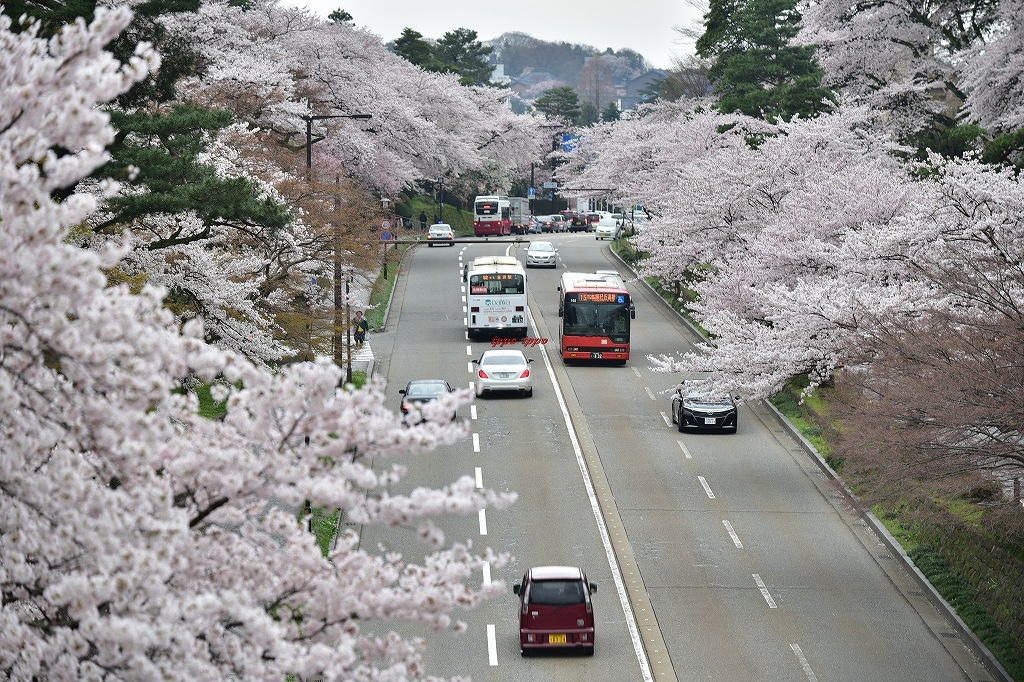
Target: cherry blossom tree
(138,538)
(901,57)
(991,75)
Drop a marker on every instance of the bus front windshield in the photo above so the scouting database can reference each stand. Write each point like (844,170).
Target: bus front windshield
(597,319)
(494,284)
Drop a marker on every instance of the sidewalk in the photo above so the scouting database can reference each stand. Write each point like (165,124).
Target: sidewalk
(362,359)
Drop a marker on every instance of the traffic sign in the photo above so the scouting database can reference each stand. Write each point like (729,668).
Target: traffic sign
(550,185)
(385,236)
(386,224)
(531,192)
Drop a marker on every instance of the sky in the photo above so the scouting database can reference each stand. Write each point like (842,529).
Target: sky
(645,26)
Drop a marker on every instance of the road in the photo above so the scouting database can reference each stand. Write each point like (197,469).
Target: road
(718,557)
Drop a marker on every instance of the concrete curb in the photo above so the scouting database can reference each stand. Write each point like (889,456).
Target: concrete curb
(949,613)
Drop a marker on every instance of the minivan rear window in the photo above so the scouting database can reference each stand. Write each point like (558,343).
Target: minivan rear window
(556,592)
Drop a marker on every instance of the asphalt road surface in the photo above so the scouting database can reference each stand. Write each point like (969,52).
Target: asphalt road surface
(717,556)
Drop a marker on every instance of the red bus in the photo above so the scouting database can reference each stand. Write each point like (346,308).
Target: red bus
(492,216)
(595,309)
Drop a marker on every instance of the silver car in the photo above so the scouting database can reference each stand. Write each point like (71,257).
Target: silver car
(504,369)
(541,255)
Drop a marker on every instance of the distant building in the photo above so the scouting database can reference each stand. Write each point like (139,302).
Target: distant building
(498,76)
(638,90)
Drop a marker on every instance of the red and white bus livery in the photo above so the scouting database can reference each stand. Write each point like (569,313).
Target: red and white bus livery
(492,216)
(596,310)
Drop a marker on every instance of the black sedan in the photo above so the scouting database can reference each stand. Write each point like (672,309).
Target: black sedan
(420,391)
(696,410)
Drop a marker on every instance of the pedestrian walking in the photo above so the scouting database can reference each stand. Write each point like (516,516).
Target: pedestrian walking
(423,221)
(362,325)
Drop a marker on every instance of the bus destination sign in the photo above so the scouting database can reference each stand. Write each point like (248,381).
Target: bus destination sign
(597,297)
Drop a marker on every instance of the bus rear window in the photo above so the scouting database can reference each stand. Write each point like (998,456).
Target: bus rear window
(487,208)
(497,284)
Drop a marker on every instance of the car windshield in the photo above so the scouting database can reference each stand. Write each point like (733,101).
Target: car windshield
(425,389)
(541,246)
(556,592)
(503,359)
(708,399)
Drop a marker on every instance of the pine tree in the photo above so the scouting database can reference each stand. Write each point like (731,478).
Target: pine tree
(460,52)
(562,102)
(756,71)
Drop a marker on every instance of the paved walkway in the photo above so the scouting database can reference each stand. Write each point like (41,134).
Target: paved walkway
(362,358)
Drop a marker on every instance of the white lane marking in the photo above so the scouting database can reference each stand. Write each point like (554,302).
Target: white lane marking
(613,562)
(476,442)
(492,645)
(811,677)
(483,522)
(472,408)
(469,366)
(635,371)
(728,527)
(487,573)
(665,417)
(650,393)
(469,350)
(682,447)
(480,480)
(764,591)
(707,488)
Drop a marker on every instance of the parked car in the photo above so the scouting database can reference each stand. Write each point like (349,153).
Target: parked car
(698,410)
(555,610)
(606,228)
(421,391)
(504,369)
(441,234)
(541,255)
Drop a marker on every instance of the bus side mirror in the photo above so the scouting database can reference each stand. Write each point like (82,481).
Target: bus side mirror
(632,311)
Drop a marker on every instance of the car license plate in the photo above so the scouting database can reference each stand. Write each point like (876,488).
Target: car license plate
(596,356)
(710,420)
(556,639)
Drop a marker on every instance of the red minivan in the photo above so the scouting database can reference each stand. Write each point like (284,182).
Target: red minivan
(555,611)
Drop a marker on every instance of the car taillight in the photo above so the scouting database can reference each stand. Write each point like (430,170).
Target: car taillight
(405,408)
(482,374)
(525,373)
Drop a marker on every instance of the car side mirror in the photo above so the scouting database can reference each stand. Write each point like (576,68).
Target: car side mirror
(401,391)
(529,360)
(517,588)
(593,588)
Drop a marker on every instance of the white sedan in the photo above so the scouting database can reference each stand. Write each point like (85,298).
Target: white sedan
(541,254)
(441,233)
(606,228)
(503,370)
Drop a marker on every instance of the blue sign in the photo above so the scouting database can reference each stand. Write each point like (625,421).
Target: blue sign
(531,192)
(569,141)
(385,236)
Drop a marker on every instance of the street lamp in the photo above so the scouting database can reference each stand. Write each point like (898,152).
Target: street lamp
(339,307)
(309,131)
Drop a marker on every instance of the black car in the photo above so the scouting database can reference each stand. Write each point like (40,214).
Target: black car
(419,391)
(696,410)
